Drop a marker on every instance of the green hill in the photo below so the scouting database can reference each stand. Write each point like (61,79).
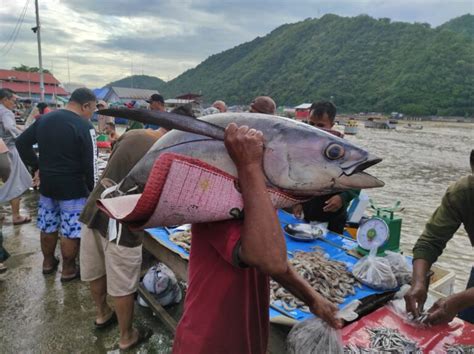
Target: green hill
(139,81)
(463,24)
(363,64)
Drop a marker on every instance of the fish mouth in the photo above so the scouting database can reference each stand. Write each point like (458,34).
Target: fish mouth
(350,168)
(357,180)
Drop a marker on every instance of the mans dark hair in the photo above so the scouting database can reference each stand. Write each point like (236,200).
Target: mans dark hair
(185,110)
(82,96)
(27,101)
(6,93)
(111,124)
(319,108)
(41,107)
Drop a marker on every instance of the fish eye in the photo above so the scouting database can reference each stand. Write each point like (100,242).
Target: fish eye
(334,152)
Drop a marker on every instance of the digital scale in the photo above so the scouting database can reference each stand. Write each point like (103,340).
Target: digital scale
(382,231)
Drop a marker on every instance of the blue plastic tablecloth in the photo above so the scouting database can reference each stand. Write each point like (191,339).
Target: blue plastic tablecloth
(335,253)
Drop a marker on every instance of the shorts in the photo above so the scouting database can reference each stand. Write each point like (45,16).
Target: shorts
(121,265)
(60,215)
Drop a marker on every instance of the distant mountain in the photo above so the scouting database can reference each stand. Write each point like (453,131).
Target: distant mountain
(139,81)
(463,25)
(362,63)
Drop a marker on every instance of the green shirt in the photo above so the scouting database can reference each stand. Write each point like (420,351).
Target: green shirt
(457,207)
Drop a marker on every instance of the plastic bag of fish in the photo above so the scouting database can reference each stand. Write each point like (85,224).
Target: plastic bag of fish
(314,336)
(400,267)
(375,271)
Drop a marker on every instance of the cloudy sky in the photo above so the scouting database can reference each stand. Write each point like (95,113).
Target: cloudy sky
(106,40)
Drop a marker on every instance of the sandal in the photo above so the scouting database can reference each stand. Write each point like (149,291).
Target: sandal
(53,268)
(110,321)
(71,278)
(24,220)
(143,335)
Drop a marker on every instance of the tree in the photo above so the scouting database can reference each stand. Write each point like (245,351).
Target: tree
(31,69)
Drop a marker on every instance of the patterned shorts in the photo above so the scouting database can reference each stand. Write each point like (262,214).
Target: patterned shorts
(60,215)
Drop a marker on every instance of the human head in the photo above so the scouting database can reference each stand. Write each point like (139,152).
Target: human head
(109,127)
(41,107)
(157,102)
(322,114)
(263,104)
(184,110)
(8,98)
(27,103)
(220,105)
(82,102)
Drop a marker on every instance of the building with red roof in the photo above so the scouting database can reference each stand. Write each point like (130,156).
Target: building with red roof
(27,84)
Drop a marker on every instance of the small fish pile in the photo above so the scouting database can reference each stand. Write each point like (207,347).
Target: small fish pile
(182,239)
(385,340)
(459,349)
(420,319)
(329,278)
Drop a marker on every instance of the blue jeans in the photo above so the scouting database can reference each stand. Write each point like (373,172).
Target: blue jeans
(468,314)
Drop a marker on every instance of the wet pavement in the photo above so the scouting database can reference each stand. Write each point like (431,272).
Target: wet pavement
(39,314)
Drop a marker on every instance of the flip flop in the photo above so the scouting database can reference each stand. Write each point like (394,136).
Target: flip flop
(110,321)
(25,220)
(143,335)
(71,278)
(53,269)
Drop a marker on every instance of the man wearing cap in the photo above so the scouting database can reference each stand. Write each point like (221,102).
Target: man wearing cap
(157,103)
(263,104)
(101,119)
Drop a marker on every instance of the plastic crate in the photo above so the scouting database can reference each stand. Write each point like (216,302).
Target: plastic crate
(441,282)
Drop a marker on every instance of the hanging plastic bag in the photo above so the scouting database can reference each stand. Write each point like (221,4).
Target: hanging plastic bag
(400,267)
(375,272)
(161,282)
(315,336)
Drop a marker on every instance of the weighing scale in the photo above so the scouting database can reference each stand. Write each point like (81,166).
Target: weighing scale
(382,231)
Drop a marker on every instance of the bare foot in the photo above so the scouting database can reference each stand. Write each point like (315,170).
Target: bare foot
(127,343)
(21,219)
(100,320)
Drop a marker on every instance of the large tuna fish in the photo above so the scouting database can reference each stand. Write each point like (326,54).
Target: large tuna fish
(298,158)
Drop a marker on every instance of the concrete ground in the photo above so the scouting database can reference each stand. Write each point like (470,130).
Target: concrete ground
(39,314)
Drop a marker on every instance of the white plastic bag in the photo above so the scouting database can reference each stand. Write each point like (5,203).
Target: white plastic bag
(375,272)
(314,336)
(400,267)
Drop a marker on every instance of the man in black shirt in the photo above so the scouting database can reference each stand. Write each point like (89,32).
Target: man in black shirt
(68,171)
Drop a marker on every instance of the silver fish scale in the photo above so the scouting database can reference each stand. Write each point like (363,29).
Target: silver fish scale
(459,349)
(182,238)
(385,340)
(329,278)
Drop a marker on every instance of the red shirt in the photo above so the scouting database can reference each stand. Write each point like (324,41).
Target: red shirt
(226,306)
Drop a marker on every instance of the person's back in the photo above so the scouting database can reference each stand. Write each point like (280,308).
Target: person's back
(67,167)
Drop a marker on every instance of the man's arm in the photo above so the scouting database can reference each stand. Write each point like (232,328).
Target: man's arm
(300,288)
(262,241)
(24,144)
(438,231)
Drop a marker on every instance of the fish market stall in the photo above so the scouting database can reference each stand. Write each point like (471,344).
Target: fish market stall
(171,245)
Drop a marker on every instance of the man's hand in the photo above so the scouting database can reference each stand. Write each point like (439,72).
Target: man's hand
(415,299)
(298,211)
(443,311)
(326,310)
(244,145)
(333,204)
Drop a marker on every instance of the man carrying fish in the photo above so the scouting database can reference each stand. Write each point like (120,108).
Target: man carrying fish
(227,303)
(457,207)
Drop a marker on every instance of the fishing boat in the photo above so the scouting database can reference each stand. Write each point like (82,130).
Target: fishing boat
(413,126)
(351,127)
(379,123)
